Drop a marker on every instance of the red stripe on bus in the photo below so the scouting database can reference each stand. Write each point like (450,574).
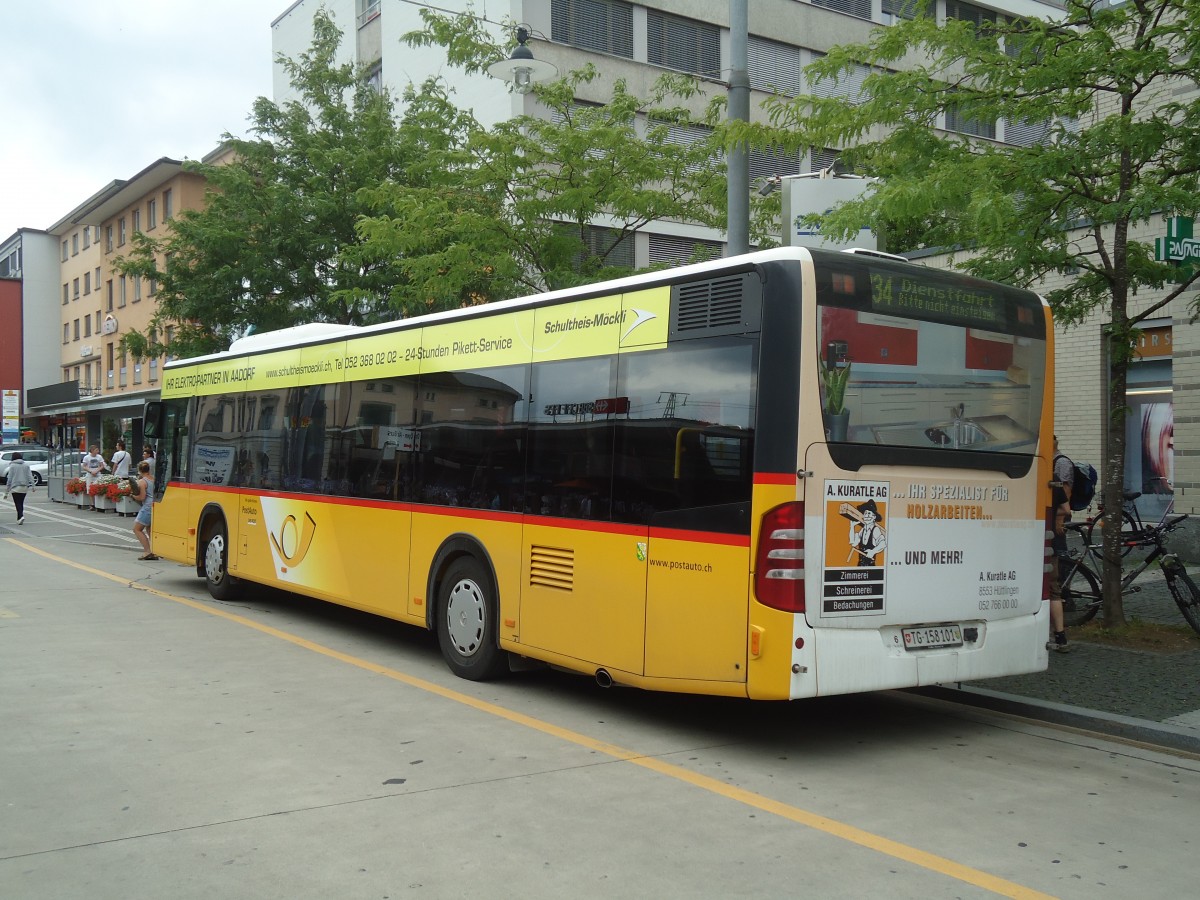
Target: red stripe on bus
(489,515)
(784,478)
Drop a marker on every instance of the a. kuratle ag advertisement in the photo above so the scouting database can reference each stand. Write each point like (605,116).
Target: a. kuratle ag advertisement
(949,549)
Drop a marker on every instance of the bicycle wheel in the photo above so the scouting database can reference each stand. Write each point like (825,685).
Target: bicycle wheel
(1080,595)
(1130,533)
(1187,596)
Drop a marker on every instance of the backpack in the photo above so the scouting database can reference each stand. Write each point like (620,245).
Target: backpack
(1083,484)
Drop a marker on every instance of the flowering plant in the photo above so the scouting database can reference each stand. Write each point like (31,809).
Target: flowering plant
(76,486)
(116,488)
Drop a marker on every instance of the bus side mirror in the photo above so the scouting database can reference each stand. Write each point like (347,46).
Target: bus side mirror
(152,420)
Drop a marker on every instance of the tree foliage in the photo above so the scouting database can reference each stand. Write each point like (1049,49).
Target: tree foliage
(618,165)
(1119,147)
(275,244)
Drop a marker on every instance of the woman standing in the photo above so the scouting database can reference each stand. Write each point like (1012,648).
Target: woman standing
(20,481)
(144,494)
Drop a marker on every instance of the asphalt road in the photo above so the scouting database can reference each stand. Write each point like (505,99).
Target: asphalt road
(160,744)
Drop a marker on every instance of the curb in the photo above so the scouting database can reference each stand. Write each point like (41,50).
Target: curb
(1142,730)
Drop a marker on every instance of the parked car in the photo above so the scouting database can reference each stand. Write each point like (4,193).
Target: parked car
(37,457)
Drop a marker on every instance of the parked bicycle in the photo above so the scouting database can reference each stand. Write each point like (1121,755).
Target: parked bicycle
(1081,594)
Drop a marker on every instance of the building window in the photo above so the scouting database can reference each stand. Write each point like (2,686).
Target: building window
(75,329)
(87,326)
(770,163)
(66,332)
(963,124)
(96,277)
(87,236)
(375,78)
(168,205)
(367,11)
(87,282)
(121,232)
(152,288)
(603,25)
(75,244)
(860,8)
(773,67)
(153,371)
(137,288)
(676,251)
(121,291)
(846,85)
(64,255)
(66,293)
(75,289)
(968,12)
(902,9)
(151,214)
(108,306)
(685,44)
(108,239)
(137,220)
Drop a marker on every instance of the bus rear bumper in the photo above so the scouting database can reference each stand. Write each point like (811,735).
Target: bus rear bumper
(850,660)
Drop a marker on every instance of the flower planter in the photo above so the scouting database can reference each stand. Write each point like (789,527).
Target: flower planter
(80,499)
(127,506)
(104,504)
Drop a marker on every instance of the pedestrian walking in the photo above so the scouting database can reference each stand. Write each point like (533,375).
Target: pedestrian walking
(20,482)
(144,494)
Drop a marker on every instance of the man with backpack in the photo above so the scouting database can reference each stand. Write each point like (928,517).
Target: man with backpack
(1063,482)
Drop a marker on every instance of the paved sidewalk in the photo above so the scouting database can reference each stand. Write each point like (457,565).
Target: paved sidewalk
(1139,694)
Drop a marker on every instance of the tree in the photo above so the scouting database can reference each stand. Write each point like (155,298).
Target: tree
(275,245)
(1119,147)
(575,183)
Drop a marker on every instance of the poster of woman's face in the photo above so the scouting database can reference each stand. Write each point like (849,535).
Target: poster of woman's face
(1158,448)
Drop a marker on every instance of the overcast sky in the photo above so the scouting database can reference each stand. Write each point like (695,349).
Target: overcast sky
(96,90)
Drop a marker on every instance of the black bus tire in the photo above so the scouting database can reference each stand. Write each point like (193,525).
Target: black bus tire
(221,585)
(468,622)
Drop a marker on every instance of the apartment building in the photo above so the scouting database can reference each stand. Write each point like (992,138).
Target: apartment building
(636,42)
(29,269)
(95,380)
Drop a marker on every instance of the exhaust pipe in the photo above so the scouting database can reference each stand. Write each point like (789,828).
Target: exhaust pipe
(603,678)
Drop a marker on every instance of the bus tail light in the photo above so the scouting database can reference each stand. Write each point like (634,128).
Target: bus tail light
(779,559)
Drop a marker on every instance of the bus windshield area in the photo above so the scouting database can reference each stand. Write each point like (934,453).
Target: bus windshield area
(930,361)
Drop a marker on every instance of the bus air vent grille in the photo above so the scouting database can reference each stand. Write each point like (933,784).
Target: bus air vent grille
(728,305)
(552,567)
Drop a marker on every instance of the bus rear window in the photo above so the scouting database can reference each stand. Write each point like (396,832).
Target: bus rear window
(936,360)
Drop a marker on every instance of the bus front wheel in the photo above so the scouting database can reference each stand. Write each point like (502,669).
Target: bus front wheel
(221,585)
(467,622)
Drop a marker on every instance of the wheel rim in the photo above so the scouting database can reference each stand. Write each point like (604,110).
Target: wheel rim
(214,558)
(466,617)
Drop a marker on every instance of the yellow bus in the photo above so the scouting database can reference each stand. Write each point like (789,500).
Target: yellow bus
(647,480)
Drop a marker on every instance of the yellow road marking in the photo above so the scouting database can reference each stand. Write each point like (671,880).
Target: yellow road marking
(831,827)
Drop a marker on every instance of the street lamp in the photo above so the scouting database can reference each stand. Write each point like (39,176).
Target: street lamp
(521,69)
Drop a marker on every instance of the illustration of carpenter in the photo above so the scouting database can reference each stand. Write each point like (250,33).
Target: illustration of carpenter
(867,536)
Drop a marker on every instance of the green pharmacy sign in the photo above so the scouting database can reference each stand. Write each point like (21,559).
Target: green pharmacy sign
(1179,247)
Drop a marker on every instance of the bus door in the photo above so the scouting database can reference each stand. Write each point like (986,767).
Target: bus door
(698,561)
(172,518)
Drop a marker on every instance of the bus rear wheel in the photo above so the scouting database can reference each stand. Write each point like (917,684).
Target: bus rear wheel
(467,619)
(221,585)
